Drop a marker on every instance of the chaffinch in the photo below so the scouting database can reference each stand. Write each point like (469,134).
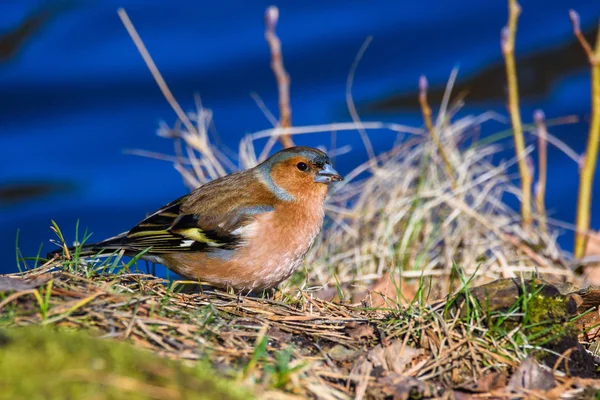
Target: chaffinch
(247,230)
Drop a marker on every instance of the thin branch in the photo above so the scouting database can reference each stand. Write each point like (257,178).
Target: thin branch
(160,81)
(586,176)
(426,110)
(282,77)
(508,50)
(575,21)
(540,189)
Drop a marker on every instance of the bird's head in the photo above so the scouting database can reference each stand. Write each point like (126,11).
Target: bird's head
(298,170)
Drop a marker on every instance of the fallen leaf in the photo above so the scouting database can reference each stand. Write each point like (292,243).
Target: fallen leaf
(385,291)
(377,357)
(396,357)
(400,358)
(589,326)
(487,383)
(360,331)
(531,376)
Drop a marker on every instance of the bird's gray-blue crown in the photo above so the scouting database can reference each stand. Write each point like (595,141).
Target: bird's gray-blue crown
(312,155)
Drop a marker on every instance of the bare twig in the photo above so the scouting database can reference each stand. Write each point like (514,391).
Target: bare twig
(508,49)
(586,176)
(282,77)
(575,21)
(154,70)
(540,190)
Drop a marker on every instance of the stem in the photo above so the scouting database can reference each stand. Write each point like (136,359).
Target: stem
(508,50)
(586,176)
(540,192)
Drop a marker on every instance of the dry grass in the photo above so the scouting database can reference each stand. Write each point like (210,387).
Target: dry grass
(294,344)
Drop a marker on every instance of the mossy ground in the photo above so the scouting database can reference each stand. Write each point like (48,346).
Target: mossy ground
(48,364)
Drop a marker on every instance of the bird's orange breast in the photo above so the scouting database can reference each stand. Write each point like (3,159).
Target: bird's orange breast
(275,246)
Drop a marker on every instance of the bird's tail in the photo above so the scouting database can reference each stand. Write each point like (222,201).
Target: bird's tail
(104,248)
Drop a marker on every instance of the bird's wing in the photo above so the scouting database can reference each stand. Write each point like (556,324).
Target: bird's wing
(210,218)
(203,221)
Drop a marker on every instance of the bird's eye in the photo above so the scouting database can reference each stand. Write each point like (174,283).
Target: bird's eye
(302,166)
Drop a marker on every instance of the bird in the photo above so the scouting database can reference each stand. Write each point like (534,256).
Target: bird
(248,230)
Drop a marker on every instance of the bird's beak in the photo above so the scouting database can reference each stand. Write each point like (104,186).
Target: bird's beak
(327,175)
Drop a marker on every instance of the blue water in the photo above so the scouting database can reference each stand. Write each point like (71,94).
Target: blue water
(76,94)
